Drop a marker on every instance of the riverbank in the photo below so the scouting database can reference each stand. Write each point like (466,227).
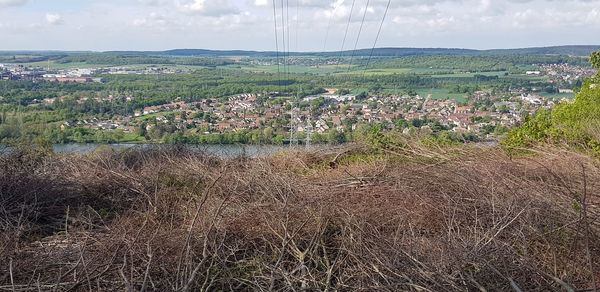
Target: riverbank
(225,151)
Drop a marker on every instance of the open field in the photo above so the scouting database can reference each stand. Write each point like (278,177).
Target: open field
(382,71)
(405,219)
(470,74)
(440,93)
(296,69)
(55,65)
(341,69)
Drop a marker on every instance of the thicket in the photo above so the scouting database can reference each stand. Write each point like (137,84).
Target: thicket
(401,218)
(574,123)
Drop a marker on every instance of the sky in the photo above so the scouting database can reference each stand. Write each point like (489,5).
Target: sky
(311,25)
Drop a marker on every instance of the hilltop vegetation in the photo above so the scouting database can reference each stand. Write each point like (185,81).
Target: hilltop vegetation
(576,123)
(393,218)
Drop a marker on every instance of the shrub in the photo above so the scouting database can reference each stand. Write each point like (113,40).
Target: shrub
(171,220)
(573,123)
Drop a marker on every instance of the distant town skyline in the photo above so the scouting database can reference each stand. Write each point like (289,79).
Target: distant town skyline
(248,24)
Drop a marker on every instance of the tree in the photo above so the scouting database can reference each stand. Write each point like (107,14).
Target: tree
(78,137)
(141,129)
(118,135)
(401,124)
(550,89)
(343,91)
(595,59)
(268,134)
(575,123)
(335,137)
(376,88)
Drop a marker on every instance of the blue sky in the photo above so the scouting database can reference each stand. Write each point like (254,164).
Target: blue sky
(248,24)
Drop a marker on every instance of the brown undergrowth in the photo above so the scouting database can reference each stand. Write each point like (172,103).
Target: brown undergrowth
(345,219)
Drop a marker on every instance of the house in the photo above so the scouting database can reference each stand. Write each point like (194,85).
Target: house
(224,126)
(463,109)
(6,76)
(531,99)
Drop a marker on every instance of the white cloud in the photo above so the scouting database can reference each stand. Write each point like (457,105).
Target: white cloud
(12,2)
(151,2)
(161,21)
(195,6)
(215,8)
(248,24)
(261,2)
(54,19)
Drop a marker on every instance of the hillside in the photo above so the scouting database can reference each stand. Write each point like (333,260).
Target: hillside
(397,52)
(38,56)
(574,123)
(358,218)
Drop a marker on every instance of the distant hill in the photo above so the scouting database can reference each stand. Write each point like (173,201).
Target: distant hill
(391,52)
(382,52)
(37,56)
(558,50)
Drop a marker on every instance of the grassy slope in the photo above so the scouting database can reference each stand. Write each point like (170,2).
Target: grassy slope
(575,123)
(398,219)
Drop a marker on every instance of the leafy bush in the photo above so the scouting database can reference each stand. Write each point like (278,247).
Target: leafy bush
(596,60)
(575,123)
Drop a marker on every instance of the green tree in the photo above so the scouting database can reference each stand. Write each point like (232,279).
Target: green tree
(335,137)
(118,135)
(3,116)
(141,129)
(268,134)
(595,59)
(78,137)
(343,91)
(574,123)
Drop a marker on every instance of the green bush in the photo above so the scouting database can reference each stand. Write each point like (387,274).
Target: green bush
(576,123)
(596,60)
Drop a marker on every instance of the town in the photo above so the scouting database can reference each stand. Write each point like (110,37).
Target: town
(484,115)
(329,115)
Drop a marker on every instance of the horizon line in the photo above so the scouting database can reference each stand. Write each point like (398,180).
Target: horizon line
(296,52)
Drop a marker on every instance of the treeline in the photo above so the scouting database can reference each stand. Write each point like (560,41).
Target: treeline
(136,59)
(490,63)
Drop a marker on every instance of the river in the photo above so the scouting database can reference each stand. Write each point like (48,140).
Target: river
(218,150)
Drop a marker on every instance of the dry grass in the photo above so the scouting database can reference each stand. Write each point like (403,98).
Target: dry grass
(420,220)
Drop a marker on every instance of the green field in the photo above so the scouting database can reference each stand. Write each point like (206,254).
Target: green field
(441,94)
(294,69)
(55,65)
(383,71)
(470,74)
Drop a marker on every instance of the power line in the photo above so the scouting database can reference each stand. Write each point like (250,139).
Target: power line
(358,36)
(297,23)
(346,33)
(285,10)
(287,23)
(276,44)
(335,7)
(377,37)
(283,39)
